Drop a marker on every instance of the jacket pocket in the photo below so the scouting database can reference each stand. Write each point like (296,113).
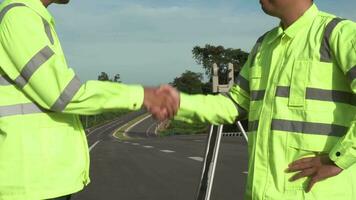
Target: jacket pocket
(299,81)
(302,146)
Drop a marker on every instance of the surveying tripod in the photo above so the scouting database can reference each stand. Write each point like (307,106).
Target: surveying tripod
(214,139)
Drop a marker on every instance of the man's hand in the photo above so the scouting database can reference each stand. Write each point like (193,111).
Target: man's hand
(316,168)
(162,102)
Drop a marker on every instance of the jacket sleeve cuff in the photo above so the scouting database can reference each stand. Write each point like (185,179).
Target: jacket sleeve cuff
(343,155)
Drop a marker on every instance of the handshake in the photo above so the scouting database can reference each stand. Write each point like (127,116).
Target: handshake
(163,102)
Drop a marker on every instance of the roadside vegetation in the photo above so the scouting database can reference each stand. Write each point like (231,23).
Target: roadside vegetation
(182,128)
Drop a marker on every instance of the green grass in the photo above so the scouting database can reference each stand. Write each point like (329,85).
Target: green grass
(182,128)
(119,133)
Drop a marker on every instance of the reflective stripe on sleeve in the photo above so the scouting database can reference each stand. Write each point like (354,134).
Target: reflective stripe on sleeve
(243,83)
(67,95)
(5,80)
(30,68)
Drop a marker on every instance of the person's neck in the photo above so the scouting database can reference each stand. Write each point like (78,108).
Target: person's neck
(46,3)
(293,14)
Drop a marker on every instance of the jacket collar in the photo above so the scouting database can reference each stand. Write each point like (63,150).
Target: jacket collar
(302,23)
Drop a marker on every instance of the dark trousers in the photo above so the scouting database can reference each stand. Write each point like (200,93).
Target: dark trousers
(62,198)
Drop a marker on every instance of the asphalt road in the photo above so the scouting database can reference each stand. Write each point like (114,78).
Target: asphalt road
(152,168)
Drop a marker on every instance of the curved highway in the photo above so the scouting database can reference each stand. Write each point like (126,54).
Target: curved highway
(154,168)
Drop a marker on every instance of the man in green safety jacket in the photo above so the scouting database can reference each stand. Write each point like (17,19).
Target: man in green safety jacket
(299,90)
(43,147)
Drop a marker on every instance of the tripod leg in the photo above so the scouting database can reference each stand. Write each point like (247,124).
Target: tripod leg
(214,161)
(209,165)
(242,130)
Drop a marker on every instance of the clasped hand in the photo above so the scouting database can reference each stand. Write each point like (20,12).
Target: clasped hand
(162,102)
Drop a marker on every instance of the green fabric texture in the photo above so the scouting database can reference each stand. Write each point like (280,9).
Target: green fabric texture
(301,103)
(43,148)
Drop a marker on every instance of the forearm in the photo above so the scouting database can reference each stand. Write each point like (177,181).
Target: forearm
(96,97)
(214,109)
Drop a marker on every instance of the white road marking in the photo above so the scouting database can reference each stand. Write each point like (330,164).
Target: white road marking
(167,151)
(148,147)
(245,172)
(135,144)
(133,125)
(127,142)
(103,126)
(127,129)
(92,146)
(200,159)
(198,140)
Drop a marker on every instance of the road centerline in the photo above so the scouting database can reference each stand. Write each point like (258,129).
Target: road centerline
(92,146)
(167,151)
(199,159)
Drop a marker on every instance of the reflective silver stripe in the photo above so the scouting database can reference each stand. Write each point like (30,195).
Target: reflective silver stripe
(325,51)
(67,95)
(352,73)
(257,95)
(46,24)
(20,109)
(283,91)
(309,127)
(7,8)
(47,28)
(321,95)
(253,125)
(243,83)
(242,113)
(30,68)
(256,48)
(5,80)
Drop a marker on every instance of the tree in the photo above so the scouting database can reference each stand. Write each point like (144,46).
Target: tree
(103,77)
(117,78)
(189,82)
(208,55)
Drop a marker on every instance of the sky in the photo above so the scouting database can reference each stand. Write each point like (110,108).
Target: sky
(150,41)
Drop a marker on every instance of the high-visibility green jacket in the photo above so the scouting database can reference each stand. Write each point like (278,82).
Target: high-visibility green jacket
(43,147)
(298,87)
